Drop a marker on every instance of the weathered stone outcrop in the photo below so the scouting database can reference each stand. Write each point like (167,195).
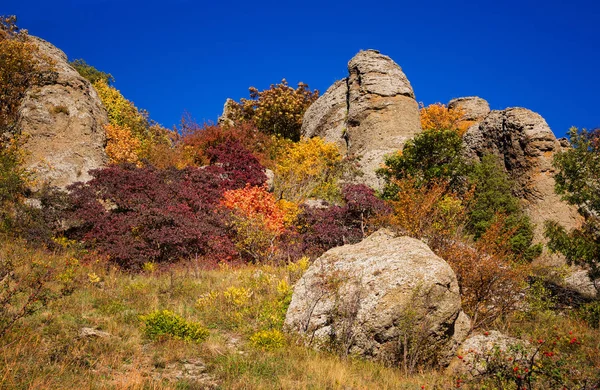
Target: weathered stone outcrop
(64,121)
(227,117)
(525,144)
(475,351)
(474,107)
(370,113)
(363,298)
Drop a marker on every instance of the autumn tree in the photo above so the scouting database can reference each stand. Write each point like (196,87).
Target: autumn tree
(278,110)
(490,278)
(309,168)
(197,139)
(132,136)
(436,156)
(578,182)
(439,117)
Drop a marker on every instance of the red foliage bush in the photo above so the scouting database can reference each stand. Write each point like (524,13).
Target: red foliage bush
(199,139)
(239,165)
(325,228)
(134,215)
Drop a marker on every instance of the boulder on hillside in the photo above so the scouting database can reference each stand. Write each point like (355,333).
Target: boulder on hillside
(474,107)
(525,144)
(64,121)
(370,113)
(474,353)
(367,299)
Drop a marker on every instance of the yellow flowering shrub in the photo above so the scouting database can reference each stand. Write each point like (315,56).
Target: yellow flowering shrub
(309,168)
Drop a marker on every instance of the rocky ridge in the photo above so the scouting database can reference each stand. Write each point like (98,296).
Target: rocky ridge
(525,145)
(370,113)
(63,121)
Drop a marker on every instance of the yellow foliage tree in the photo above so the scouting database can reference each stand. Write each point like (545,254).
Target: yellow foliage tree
(133,137)
(121,145)
(121,112)
(309,168)
(438,117)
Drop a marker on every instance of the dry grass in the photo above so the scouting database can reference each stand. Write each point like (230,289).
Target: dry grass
(45,351)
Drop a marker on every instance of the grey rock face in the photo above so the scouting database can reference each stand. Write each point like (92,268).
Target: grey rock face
(326,117)
(226,119)
(479,347)
(371,113)
(475,108)
(525,144)
(64,122)
(363,298)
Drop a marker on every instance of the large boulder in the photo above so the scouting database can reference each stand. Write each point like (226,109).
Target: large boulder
(364,299)
(370,113)
(525,144)
(64,122)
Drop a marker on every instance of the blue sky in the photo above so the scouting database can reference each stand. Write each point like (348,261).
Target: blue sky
(182,55)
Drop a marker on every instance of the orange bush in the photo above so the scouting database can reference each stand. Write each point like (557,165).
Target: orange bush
(438,117)
(121,145)
(435,212)
(256,202)
(258,221)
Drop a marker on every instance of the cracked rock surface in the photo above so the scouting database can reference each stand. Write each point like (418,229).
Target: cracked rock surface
(526,146)
(370,113)
(362,298)
(64,121)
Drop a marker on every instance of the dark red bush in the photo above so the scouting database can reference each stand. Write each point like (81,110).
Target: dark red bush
(324,228)
(135,215)
(240,166)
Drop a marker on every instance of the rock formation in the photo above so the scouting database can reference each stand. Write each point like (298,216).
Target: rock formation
(226,118)
(525,144)
(362,298)
(370,113)
(479,348)
(474,107)
(64,123)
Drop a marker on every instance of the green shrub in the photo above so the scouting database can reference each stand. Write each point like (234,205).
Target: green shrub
(89,72)
(268,339)
(165,323)
(590,313)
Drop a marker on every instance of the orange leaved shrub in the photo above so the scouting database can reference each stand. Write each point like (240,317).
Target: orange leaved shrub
(438,117)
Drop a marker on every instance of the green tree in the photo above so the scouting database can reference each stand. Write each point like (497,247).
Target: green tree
(436,156)
(90,73)
(493,196)
(432,155)
(578,181)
